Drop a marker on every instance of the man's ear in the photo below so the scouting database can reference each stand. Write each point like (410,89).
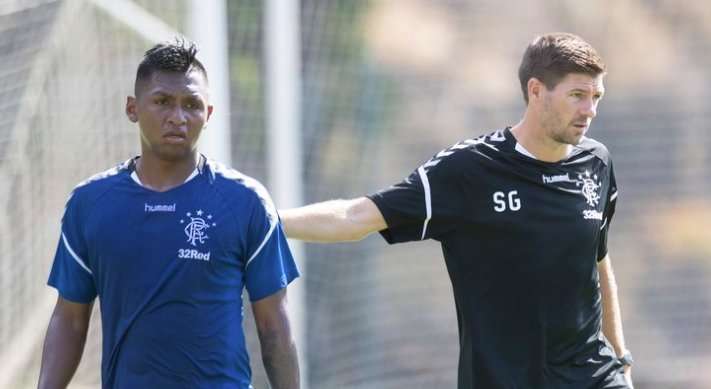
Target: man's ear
(209,111)
(131,109)
(535,88)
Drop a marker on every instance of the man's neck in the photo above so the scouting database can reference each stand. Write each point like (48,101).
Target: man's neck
(161,175)
(534,139)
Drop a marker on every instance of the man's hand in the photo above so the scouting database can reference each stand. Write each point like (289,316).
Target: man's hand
(628,376)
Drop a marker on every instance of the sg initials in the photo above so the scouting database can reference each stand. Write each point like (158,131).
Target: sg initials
(501,204)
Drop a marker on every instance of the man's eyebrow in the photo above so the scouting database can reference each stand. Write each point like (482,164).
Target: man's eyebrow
(188,93)
(588,89)
(598,90)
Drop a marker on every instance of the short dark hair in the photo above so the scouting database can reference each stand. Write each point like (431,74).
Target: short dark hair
(179,56)
(550,57)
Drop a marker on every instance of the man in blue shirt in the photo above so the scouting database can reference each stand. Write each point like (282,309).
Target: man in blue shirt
(167,241)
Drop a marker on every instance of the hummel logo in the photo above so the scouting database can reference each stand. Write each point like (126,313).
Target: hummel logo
(559,178)
(160,208)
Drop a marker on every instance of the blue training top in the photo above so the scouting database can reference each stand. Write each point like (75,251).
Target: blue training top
(169,269)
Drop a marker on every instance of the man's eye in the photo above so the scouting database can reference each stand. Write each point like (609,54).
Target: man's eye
(193,105)
(161,101)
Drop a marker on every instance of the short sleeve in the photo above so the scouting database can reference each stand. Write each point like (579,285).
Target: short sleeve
(270,266)
(607,216)
(426,204)
(71,274)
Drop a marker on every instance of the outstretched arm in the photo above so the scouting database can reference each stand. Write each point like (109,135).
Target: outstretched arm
(611,313)
(278,348)
(64,343)
(333,221)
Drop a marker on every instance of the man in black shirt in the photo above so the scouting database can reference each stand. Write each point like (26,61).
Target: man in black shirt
(522,215)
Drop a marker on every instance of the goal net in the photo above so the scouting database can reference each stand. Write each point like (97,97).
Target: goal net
(68,67)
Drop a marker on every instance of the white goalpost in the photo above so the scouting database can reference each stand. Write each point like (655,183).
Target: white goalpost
(283,115)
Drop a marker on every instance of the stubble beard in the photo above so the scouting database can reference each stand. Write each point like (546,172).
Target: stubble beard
(564,137)
(557,130)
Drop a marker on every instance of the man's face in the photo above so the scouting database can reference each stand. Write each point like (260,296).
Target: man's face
(171,109)
(569,108)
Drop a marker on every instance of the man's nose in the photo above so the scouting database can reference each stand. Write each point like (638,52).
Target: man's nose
(177,116)
(589,109)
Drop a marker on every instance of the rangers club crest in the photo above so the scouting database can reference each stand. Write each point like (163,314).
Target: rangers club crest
(197,226)
(590,188)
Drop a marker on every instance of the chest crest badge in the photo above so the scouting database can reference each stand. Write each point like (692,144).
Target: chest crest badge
(590,188)
(197,225)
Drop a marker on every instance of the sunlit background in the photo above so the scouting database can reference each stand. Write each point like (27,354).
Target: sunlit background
(384,85)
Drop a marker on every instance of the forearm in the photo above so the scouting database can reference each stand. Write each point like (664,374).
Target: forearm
(62,352)
(612,316)
(611,313)
(280,361)
(333,221)
(612,325)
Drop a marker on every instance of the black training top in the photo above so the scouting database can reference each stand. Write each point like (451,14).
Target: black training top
(521,239)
